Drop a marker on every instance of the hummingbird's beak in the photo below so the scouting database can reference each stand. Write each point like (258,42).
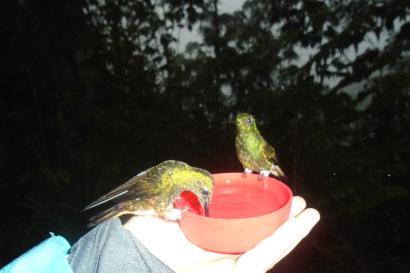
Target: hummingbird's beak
(206,209)
(228,122)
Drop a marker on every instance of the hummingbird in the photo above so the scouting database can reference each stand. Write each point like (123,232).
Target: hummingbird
(254,153)
(154,191)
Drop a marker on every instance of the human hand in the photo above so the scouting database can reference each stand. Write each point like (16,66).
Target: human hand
(166,241)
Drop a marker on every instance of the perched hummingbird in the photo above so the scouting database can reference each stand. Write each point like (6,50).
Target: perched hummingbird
(153,192)
(252,150)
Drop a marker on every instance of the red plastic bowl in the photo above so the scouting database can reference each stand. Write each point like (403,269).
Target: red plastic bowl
(242,212)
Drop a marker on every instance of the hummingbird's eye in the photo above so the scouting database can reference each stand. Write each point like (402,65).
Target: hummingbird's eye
(249,120)
(205,192)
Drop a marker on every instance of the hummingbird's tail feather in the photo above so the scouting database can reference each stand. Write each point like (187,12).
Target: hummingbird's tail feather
(104,199)
(277,171)
(110,213)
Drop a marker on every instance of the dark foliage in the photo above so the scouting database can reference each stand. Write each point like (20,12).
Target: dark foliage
(94,91)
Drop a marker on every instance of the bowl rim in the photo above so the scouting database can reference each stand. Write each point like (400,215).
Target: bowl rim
(282,184)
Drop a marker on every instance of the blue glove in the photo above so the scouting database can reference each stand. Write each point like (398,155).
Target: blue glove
(47,257)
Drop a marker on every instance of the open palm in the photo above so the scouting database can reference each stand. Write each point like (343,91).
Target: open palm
(166,241)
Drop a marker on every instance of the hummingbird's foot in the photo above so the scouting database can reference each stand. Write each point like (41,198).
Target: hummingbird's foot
(246,171)
(263,174)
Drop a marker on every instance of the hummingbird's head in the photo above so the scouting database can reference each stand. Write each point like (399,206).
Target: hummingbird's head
(245,122)
(203,186)
(198,181)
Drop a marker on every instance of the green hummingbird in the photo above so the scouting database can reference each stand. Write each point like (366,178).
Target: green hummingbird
(153,192)
(254,153)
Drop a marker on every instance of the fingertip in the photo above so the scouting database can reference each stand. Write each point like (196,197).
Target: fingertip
(314,213)
(298,205)
(310,215)
(298,199)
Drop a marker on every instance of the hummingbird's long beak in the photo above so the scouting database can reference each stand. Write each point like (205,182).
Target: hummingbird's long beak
(228,122)
(206,209)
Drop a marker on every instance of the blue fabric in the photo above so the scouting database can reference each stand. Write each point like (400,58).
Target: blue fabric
(47,257)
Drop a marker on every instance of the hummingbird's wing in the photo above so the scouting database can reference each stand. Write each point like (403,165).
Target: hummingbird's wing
(135,188)
(140,195)
(271,153)
(112,212)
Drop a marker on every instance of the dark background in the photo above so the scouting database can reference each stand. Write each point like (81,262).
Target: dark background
(93,92)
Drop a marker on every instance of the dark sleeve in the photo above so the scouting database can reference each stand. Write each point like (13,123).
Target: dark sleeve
(110,248)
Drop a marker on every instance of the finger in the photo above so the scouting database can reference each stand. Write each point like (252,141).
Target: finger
(298,205)
(307,220)
(272,249)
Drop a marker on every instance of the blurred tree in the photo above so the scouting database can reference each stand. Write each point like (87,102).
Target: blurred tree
(39,80)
